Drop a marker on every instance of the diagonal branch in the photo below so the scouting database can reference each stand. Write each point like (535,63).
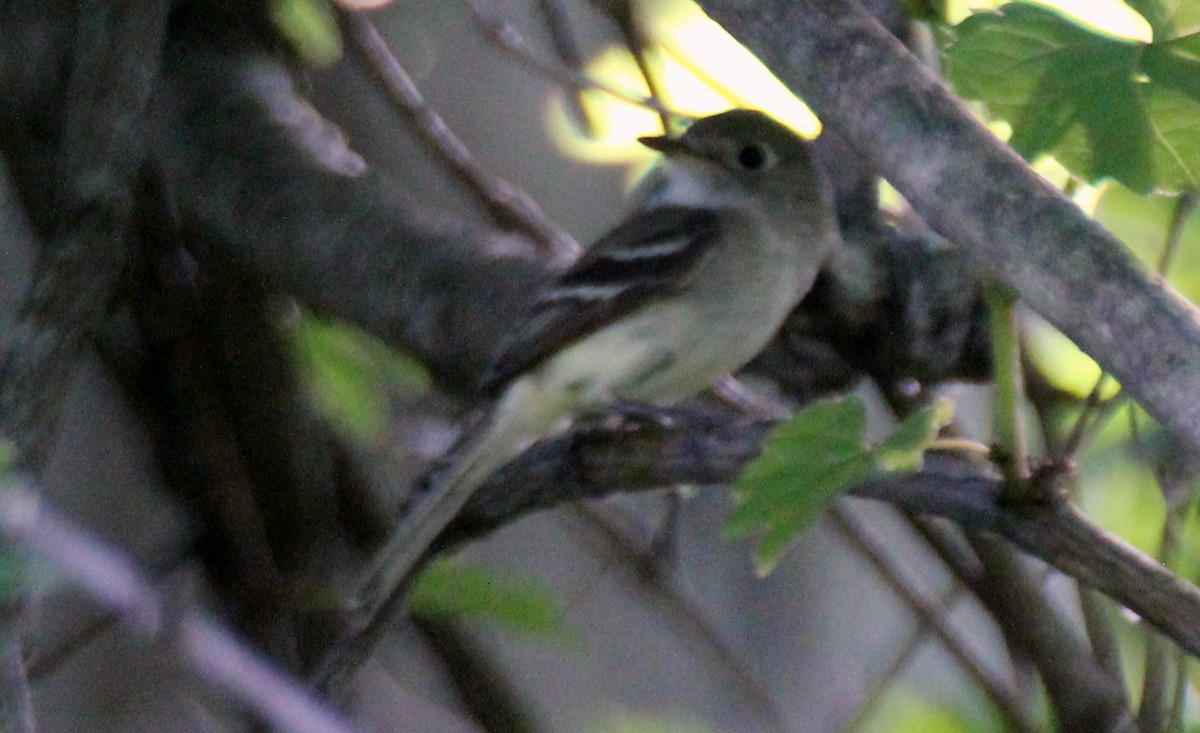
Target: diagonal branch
(266,182)
(209,649)
(998,690)
(507,203)
(976,192)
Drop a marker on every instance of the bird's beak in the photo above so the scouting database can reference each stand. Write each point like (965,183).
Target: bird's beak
(663,143)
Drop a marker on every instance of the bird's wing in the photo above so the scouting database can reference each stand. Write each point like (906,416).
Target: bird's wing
(649,255)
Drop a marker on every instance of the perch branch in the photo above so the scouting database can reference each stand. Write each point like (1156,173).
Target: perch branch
(701,448)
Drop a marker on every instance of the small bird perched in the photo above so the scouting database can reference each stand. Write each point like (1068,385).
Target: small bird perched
(726,237)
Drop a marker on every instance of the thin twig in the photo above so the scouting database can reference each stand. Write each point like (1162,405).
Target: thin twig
(43,665)
(1100,632)
(209,649)
(650,577)
(506,202)
(1093,410)
(485,689)
(1179,699)
(510,39)
(944,605)
(1001,695)
(565,46)
(622,12)
(1185,205)
(46,663)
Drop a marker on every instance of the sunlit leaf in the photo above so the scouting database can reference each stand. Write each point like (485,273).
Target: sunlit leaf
(1169,18)
(451,589)
(809,460)
(1106,107)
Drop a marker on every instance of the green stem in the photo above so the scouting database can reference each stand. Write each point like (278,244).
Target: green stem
(1007,422)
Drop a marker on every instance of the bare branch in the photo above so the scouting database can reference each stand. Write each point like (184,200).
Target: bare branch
(483,687)
(978,193)
(210,650)
(648,577)
(566,48)
(929,613)
(1082,695)
(349,245)
(509,204)
(507,37)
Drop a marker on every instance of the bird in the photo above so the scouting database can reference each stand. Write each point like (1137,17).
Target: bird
(725,237)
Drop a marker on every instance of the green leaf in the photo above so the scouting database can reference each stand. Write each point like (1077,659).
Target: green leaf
(451,589)
(353,376)
(1156,12)
(1105,107)
(906,710)
(1169,18)
(904,449)
(311,28)
(809,460)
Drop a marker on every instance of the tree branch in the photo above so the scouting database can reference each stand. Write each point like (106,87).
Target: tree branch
(16,700)
(268,184)
(999,692)
(507,203)
(211,651)
(1082,695)
(976,192)
(707,447)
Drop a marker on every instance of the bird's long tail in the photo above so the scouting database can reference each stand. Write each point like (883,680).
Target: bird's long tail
(521,416)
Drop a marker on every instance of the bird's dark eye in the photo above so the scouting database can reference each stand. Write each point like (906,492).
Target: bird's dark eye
(754,157)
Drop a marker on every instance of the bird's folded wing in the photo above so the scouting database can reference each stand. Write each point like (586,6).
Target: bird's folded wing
(651,255)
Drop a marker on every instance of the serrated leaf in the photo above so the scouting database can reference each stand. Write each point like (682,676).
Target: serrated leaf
(803,451)
(805,463)
(1104,106)
(811,459)
(452,589)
